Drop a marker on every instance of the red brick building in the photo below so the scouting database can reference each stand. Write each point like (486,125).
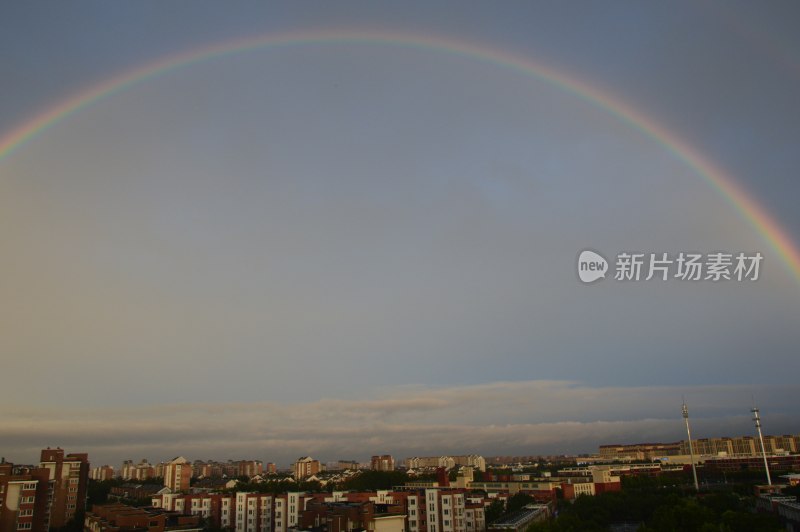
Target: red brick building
(70,476)
(24,499)
(177,474)
(383,462)
(120,518)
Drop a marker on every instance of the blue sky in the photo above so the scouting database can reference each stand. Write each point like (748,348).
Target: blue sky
(343,249)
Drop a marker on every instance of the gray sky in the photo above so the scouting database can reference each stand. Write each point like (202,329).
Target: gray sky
(348,248)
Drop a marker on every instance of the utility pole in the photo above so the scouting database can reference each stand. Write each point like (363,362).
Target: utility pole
(691,450)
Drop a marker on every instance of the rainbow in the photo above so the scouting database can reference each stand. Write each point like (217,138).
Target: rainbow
(769,229)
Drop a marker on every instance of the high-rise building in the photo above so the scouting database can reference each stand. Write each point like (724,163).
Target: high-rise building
(305,467)
(448,462)
(24,499)
(383,462)
(144,470)
(69,475)
(105,472)
(250,468)
(177,474)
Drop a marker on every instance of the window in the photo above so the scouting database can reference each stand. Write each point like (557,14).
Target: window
(446,511)
(24,526)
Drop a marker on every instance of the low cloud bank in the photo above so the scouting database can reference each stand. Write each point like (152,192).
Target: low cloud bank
(500,418)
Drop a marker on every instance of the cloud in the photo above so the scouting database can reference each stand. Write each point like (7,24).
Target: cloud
(522,417)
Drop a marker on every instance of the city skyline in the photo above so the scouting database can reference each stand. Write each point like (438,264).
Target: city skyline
(335,230)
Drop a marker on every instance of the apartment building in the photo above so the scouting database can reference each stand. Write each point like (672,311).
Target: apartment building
(250,468)
(121,518)
(24,499)
(448,462)
(105,472)
(177,474)
(743,445)
(725,446)
(142,471)
(305,467)
(639,451)
(70,476)
(383,462)
(427,510)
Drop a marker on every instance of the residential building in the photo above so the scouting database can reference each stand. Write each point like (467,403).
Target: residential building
(24,499)
(105,472)
(177,474)
(135,492)
(122,518)
(448,462)
(383,462)
(70,476)
(520,520)
(343,465)
(250,468)
(305,467)
(639,451)
(144,470)
(427,510)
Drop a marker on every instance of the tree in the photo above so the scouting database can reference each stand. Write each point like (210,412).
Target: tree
(495,511)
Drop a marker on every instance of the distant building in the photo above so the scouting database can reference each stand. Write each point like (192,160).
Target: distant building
(742,445)
(305,467)
(105,472)
(739,446)
(144,470)
(448,462)
(177,474)
(134,492)
(639,451)
(250,468)
(270,468)
(342,465)
(383,462)
(752,463)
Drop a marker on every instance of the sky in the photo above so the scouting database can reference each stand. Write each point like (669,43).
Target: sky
(270,230)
